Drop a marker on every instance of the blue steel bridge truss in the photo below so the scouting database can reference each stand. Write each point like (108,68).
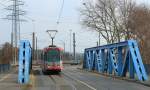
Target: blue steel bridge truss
(119,59)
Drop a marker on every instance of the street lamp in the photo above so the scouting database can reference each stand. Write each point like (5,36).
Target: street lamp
(52,34)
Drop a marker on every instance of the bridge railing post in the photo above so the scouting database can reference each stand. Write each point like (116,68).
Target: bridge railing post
(24,62)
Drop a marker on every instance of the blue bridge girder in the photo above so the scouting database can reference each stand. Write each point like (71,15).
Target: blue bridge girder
(119,59)
(24,62)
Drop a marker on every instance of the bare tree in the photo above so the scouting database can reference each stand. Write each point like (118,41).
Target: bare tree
(125,8)
(108,17)
(118,20)
(139,24)
(6,53)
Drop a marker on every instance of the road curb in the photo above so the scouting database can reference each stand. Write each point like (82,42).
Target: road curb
(32,79)
(30,85)
(117,77)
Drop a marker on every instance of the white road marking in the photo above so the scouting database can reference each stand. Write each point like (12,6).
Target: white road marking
(89,86)
(86,84)
(74,88)
(5,77)
(8,75)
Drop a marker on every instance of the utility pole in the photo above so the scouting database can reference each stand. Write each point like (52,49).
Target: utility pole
(33,46)
(97,43)
(99,39)
(70,44)
(74,48)
(12,48)
(16,12)
(36,50)
(64,47)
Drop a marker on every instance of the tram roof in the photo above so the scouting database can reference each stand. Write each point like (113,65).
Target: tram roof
(53,48)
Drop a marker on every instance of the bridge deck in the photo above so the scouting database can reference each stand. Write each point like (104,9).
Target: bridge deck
(71,78)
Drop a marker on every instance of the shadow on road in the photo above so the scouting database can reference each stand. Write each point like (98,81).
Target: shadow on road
(52,73)
(36,72)
(39,72)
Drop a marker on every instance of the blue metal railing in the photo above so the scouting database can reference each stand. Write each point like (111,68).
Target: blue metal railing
(147,67)
(4,68)
(118,58)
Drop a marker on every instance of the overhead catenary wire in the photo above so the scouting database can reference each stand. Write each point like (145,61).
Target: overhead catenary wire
(3,4)
(61,11)
(4,1)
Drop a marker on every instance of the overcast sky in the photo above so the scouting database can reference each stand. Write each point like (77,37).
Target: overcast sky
(45,14)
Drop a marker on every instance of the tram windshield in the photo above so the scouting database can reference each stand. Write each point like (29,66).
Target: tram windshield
(53,56)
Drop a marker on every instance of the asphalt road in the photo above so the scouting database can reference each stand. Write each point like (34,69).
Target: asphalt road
(69,79)
(8,81)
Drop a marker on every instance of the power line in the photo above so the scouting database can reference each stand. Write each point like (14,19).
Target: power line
(60,13)
(16,12)
(3,4)
(3,1)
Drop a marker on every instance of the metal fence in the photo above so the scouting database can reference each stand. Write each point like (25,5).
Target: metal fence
(4,68)
(5,57)
(6,53)
(147,67)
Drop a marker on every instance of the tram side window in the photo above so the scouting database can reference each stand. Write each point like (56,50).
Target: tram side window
(45,56)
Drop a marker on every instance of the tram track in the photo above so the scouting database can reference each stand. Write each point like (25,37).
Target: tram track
(68,75)
(52,79)
(58,78)
(69,79)
(73,79)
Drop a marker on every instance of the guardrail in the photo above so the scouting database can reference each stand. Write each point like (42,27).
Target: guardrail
(147,67)
(4,68)
(118,59)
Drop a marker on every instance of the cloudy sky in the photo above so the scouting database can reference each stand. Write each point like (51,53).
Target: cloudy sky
(45,14)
